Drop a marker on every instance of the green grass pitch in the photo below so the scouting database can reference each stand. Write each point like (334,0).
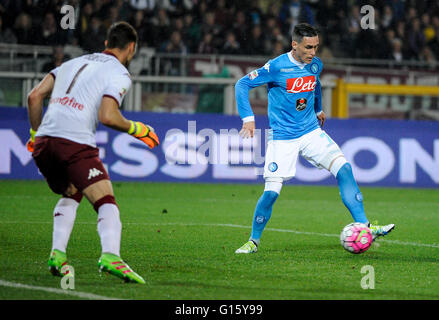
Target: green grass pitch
(181,238)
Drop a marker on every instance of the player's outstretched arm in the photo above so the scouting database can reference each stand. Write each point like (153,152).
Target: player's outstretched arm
(35,100)
(110,116)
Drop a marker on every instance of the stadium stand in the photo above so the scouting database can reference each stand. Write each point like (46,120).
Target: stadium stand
(405,30)
(215,38)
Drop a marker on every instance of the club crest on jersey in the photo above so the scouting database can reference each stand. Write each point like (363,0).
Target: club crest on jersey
(301,104)
(252,75)
(304,84)
(314,68)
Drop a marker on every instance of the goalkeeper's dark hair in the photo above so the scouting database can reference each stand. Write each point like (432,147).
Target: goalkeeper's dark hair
(302,30)
(120,34)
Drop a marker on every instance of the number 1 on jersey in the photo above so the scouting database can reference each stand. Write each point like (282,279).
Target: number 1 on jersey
(75,78)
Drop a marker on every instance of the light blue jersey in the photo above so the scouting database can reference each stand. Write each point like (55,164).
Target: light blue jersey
(294,95)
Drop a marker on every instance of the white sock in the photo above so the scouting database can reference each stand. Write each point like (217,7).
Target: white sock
(337,164)
(273,184)
(64,216)
(109,228)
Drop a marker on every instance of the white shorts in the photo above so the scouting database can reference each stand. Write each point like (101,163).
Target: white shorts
(316,147)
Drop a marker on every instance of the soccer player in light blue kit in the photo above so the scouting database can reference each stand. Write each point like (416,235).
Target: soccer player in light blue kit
(295,114)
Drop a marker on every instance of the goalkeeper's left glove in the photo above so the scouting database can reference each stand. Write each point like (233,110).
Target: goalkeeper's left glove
(30,143)
(144,133)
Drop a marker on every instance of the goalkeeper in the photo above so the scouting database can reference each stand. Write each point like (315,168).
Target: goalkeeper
(82,92)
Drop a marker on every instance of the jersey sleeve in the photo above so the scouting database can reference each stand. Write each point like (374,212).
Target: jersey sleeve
(117,87)
(54,72)
(252,80)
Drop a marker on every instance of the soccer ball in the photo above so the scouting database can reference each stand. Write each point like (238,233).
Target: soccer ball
(356,237)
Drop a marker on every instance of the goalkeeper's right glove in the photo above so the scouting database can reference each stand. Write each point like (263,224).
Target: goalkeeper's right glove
(30,143)
(144,133)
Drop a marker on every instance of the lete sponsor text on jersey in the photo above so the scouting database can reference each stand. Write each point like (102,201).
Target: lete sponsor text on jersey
(303,84)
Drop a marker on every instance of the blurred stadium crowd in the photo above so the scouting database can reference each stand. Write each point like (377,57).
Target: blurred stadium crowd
(404,29)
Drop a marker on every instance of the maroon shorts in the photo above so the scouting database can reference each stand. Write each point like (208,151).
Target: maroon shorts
(62,162)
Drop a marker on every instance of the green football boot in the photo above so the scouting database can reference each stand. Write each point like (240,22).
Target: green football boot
(114,265)
(248,247)
(57,260)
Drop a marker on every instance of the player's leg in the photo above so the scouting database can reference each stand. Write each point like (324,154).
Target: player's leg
(353,199)
(91,178)
(100,194)
(320,150)
(264,207)
(280,165)
(262,214)
(323,152)
(349,190)
(64,215)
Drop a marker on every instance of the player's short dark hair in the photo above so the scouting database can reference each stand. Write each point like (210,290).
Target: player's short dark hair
(120,34)
(302,30)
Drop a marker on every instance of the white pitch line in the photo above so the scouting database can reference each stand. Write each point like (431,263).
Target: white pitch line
(403,243)
(414,244)
(279,230)
(79,294)
(332,235)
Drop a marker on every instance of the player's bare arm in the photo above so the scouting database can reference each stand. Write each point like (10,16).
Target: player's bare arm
(35,100)
(110,116)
